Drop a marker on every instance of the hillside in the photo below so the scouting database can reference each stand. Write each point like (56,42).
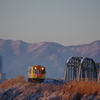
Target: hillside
(18,55)
(19,89)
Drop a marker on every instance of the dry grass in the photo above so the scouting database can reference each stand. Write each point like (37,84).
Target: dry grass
(72,88)
(70,91)
(11,82)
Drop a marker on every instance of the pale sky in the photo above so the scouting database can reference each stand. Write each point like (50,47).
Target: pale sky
(67,22)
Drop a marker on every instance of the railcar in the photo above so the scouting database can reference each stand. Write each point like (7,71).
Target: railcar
(36,73)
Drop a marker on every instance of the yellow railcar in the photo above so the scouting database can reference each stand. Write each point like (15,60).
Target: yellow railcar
(36,73)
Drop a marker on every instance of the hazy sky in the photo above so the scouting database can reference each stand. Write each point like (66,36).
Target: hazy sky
(68,22)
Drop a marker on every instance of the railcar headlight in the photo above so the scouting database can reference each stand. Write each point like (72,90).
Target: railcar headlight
(42,68)
(35,67)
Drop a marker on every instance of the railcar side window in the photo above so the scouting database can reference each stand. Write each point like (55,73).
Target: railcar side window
(29,71)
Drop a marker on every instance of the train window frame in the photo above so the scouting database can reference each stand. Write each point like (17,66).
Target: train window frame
(29,70)
(34,71)
(38,71)
(43,71)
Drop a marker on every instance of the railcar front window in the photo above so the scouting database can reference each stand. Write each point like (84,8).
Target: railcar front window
(43,71)
(38,71)
(34,71)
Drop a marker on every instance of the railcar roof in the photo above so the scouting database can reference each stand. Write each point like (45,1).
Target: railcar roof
(37,66)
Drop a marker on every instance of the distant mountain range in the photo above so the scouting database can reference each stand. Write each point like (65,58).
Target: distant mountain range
(18,55)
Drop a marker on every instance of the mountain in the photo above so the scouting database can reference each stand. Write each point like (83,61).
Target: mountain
(18,55)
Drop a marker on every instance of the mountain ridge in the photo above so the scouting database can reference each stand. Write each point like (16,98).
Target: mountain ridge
(18,55)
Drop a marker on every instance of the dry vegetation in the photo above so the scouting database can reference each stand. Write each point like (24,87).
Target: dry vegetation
(80,89)
(11,82)
(19,89)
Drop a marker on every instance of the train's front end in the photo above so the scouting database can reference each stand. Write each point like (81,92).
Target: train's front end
(36,73)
